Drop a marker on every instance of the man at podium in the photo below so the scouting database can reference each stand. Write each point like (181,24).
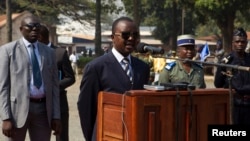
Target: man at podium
(117,71)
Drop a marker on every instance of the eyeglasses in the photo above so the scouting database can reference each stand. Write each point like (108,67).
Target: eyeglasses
(238,41)
(126,35)
(32,25)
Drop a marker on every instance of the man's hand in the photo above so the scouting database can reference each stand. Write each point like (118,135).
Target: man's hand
(56,126)
(7,128)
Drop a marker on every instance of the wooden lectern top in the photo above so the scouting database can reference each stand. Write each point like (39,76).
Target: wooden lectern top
(209,91)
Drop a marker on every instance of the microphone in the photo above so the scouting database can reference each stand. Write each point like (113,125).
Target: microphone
(227,59)
(143,48)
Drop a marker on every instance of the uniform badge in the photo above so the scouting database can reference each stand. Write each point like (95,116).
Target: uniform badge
(169,66)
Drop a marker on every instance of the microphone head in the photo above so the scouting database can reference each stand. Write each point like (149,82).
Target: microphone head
(143,48)
(227,59)
(140,48)
(161,51)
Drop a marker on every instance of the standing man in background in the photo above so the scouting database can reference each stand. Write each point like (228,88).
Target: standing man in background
(74,59)
(117,71)
(198,49)
(106,49)
(219,53)
(240,79)
(66,78)
(29,90)
(236,57)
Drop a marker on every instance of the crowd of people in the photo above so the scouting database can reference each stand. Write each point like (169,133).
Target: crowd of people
(35,74)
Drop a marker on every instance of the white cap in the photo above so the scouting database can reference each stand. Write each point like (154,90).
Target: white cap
(187,39)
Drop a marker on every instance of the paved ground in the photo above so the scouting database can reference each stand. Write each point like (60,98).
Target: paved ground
(74,124)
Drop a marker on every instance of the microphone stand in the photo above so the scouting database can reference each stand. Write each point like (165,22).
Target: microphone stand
(177,87)
(177,113)
(189,118)
(231,99)
(229,76)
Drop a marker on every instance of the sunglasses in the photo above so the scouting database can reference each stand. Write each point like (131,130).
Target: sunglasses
(238,41)
(32,25)
(126,35)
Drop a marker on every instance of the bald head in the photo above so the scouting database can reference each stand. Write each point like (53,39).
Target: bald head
(29,28)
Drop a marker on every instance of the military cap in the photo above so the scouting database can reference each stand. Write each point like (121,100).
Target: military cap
(187,39)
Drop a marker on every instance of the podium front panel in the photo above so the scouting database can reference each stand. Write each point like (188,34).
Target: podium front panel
(142,115)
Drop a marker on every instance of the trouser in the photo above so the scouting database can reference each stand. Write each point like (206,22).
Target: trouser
(75,68)
(241,111)
(37,125)
(64,136)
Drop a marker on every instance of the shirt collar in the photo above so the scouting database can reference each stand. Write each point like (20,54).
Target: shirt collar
(193,67)
(27,43)
(49,44)
(119,56)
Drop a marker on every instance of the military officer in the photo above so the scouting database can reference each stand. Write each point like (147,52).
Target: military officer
(183,70)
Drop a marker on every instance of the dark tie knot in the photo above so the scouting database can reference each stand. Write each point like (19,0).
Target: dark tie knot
(125,60)
(33,46)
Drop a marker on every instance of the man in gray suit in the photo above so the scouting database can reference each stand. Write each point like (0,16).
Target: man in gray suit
(24,105)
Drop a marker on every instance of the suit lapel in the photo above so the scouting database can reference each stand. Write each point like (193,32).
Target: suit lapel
(118,65)
(23,49)
(113,63)
(135,67)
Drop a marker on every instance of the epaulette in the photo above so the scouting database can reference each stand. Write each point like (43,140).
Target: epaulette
(169,66)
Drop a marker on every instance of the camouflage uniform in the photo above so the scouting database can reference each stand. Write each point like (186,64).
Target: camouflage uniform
(174,72)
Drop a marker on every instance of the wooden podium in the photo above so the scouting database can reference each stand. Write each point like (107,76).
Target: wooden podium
(142,115)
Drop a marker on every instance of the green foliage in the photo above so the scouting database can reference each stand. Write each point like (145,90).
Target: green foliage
(166,15)
(83,61)
(48,10)
(224,14)
(241,21)
(202,17)
(205,30)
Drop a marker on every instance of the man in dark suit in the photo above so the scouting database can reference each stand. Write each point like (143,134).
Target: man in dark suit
(106,73)
(29,89)
(66,79)
(240,80)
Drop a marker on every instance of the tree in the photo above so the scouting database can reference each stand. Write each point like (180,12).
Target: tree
(98,37)
(79,10)
(48,11)
(224,14)
(166,16)
(9,20)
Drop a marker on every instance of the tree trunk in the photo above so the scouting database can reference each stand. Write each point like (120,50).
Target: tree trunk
(227,32)
(173,40)
(9,21)
(136,13)
(98,38)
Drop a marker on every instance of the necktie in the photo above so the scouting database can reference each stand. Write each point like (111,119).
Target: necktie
(125,62)
(35,68)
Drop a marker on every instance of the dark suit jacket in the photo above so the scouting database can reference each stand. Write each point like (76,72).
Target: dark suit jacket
(221,80)
(66,75)
(106,74)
